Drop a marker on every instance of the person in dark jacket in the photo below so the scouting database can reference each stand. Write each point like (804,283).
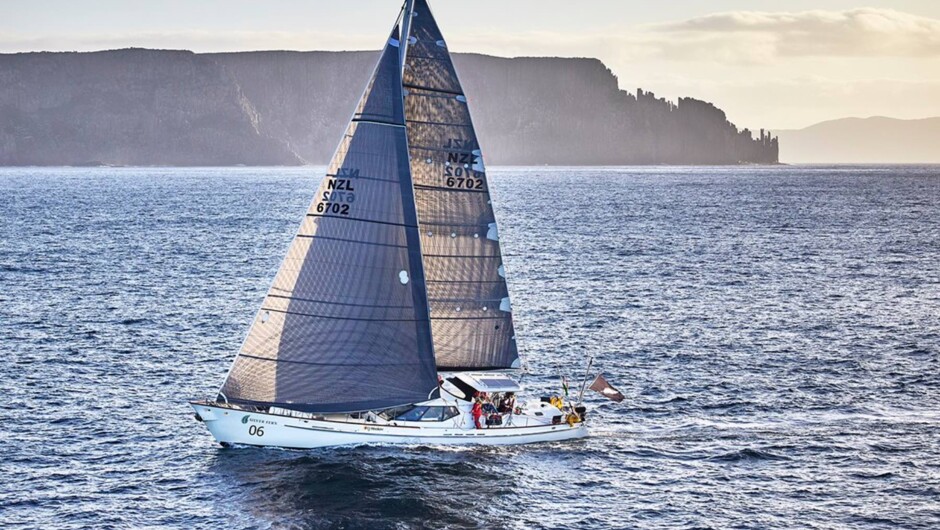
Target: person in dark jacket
(507,404)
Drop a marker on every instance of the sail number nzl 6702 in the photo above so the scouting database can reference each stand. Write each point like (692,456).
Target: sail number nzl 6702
(458,171)
(339,194)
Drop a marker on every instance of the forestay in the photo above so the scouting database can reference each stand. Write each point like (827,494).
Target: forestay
(345,324)
(470,311)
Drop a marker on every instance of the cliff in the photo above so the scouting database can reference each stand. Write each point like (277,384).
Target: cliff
(131,107)
(154,107)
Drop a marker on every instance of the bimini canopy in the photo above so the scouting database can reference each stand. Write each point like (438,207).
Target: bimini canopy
(488,382)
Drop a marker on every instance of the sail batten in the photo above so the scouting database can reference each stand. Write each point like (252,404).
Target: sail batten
(466,287)
(345,325)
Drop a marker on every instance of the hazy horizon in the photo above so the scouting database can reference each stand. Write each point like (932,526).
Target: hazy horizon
(771,68)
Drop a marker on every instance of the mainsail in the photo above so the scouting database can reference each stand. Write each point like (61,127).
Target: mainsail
(469,301)
(345,325)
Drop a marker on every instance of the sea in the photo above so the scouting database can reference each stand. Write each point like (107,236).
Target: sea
(775,330)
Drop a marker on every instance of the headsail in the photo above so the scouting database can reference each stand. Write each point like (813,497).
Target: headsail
(469,301)
(345,324)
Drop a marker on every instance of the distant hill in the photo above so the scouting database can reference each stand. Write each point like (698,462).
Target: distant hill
(157,107)
(863,141)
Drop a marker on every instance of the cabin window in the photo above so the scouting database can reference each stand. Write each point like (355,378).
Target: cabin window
(413,414)
(440,413)
(391,414)
(433,414)
(427,414)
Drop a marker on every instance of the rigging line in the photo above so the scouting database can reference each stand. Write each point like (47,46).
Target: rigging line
(587,373)
(361,220)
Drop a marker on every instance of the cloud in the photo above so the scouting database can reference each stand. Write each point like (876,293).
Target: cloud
(738,37)
(741,37)
(734,38)
(764,36)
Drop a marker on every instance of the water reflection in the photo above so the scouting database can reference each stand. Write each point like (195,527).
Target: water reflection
(371,487)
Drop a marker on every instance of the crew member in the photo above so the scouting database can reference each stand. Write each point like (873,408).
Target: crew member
(477,412)
(508,403)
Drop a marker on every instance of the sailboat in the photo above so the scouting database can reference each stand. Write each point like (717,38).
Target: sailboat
(389,320)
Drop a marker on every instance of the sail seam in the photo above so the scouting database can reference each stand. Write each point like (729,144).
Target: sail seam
(337,303)
(465,299)
(476,225)
(425,187)
(360,177)
(351,241)
(442,150)
(446,368)
(471,318)
(311,315)
(362,220)
(443,123)
(429,89)
(248,355)
(465,281)
(295,313)
(460,256)
(374,122)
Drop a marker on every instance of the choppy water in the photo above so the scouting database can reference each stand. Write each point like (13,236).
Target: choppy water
(776,332)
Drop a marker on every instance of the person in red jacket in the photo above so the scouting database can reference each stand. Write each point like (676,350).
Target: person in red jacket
(477,412)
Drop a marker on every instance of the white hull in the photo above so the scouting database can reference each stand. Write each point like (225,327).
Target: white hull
(231,425)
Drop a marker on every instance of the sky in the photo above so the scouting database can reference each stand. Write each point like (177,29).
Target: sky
(769,64)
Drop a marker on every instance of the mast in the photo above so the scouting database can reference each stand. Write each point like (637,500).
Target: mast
(422,301)
(407,15)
